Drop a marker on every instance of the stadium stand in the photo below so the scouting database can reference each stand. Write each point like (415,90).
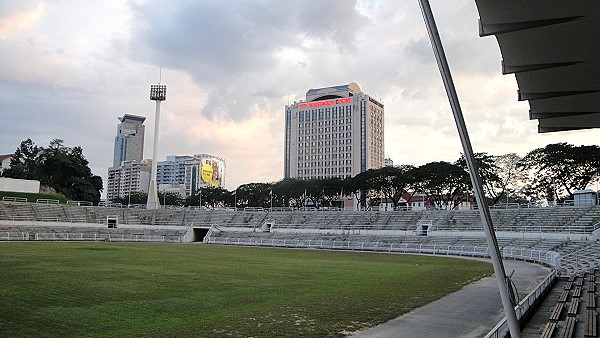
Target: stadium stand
(559,237)
(569,310)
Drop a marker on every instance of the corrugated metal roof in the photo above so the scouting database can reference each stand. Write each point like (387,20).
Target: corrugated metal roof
(552,49)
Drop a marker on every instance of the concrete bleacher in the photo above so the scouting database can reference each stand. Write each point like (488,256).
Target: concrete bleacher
(536,234)
(560,219)
(22,230)
(574,220)
(18,211)
(569,310)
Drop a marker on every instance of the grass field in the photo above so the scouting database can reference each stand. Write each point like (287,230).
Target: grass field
(141,289)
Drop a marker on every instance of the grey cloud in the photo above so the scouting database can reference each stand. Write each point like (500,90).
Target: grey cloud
(220,44)
(421,50)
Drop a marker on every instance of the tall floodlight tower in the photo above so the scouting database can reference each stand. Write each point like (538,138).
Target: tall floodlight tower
(158,93)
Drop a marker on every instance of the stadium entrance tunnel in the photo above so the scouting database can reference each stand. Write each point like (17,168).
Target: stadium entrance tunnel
(199,234)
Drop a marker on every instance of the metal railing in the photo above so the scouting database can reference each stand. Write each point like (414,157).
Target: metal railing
(501,329)
(87,237)
(457,229)
(47,201)
(549,258)
(14,199)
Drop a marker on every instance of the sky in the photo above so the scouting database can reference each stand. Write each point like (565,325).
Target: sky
(70,68)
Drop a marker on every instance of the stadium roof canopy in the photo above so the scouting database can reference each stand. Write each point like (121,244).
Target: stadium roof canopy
(553,48)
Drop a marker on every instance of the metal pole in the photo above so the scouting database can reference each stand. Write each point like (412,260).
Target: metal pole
(153,202)
(507,302)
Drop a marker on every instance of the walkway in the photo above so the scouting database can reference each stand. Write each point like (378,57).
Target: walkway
(470,312)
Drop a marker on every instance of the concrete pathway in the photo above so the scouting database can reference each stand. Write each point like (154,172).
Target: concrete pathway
(470,312)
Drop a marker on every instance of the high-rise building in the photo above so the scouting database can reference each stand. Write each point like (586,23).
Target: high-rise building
(337,132)
(132,176)
(202,171)
(129,142)
(172,171)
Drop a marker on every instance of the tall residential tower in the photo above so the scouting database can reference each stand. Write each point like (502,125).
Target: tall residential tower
(336,132)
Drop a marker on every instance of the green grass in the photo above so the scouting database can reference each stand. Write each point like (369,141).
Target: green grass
(141,289)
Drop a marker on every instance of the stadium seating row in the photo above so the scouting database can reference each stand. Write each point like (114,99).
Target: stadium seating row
(569,310)
(558,219)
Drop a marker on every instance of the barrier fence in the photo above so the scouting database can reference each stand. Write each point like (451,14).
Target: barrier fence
(90,237)
(501,329)
(549,258)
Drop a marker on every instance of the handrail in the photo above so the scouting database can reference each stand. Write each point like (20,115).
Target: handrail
(14,199)
(47,201)
(501,329)
(79,236)
(548,258)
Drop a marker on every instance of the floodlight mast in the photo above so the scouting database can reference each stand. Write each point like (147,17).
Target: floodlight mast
(158,93)
(507,301)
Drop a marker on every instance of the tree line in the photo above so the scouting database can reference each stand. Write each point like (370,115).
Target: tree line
(551,173)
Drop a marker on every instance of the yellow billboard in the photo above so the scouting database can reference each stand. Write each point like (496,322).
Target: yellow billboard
(207,173)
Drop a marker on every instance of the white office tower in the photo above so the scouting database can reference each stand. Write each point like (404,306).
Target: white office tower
(337,132)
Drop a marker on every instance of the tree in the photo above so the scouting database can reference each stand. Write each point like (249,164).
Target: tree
(332,189)
(512,180)
(488,172)
(362,188)
(135,197)
(254,195)
(62,168)
(170,198)
(445,184)
(392,181)
(289,192)
(560,169)
(210,197)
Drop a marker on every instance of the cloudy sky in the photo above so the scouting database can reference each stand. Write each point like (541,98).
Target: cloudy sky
(69,68)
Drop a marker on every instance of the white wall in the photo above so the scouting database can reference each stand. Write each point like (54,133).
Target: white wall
(18,185)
